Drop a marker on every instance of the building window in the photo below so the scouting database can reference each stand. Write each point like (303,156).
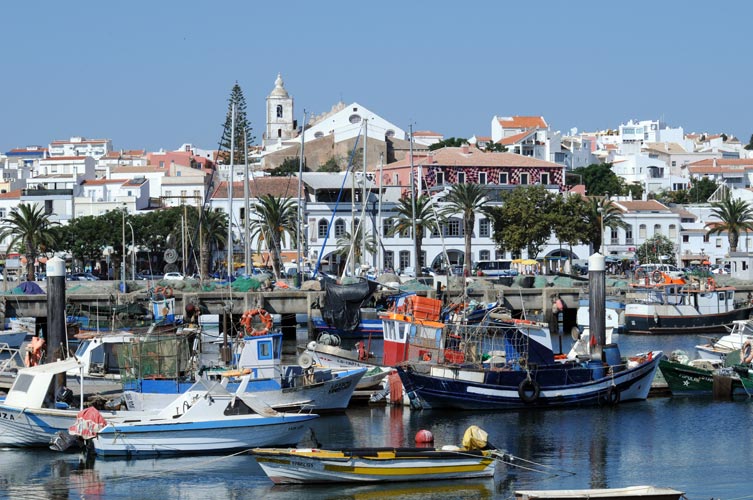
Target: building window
(461,177)
(503,178)
(642,231)
(197,194)
(168,193)
(484,228)
(524,179)
(629,235)
(705,238)
(545,179)
(440,178)
(718,243)
(389,259)
(339,228)
(484,255)
(499,254)
(657,229)
(354,119)
(674,163)
(453,227)
(685,238)
(322,226)
(613,236)
(404,259)
(279,111)
(162,164)
(423,259)
(386,225)
(482,177)
(672,231)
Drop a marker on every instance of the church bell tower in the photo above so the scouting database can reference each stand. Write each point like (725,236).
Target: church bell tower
(281,125)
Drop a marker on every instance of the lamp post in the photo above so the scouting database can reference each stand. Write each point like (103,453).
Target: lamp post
(133,253)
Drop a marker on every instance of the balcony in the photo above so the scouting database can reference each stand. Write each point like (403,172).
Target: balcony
(47,192)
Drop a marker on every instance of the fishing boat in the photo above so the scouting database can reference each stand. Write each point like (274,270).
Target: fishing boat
(344,310)
(628,492)
(671,306)
(30,416)
(740,334)
(686,377)
(207,418)
(367,465)
(154,379)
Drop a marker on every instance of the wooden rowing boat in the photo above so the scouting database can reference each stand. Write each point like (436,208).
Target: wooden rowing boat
(629,492)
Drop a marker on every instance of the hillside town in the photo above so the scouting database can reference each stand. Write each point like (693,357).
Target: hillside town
(78,176)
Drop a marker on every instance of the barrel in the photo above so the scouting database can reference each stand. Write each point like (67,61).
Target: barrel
(612,354)
(597,369)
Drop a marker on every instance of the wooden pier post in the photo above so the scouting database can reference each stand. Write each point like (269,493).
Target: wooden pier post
(56,325)
(597,303)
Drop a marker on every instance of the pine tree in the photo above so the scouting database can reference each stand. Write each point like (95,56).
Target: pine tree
(242,128)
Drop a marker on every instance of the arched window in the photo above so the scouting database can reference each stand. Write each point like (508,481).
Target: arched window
(279,111)
(318,135)
(657,229)
(322,228)
(642,231)
(672,231)
(354,118)
(339,228)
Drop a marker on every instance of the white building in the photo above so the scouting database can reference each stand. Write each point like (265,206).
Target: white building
(80,146)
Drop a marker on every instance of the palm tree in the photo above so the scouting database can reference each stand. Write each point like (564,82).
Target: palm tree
(602,213)
(213,235)
(425,219)
(277,217)
(735,216)
(30,231)
(345,244)
(466,200)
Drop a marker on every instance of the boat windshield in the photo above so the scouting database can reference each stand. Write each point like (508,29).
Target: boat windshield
(82,347)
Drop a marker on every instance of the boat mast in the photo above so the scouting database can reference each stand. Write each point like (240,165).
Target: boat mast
(378,230)
(417,260)
(247,245)
(299,208)
(363,192)
(230,195)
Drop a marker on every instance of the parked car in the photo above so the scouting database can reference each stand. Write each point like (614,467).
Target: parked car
(147,276)
(720,270)
(174,276)
(669,269)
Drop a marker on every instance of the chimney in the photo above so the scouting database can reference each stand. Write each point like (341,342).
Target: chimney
(714,163)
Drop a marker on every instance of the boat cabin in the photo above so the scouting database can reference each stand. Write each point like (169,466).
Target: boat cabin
(33,387)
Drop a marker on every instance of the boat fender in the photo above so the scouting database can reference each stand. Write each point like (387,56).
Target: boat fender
(305,360)
(612,396)
(362,354)
(746,353)
(529,390)
(424,436)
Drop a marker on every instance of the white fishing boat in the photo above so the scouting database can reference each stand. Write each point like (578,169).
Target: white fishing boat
(30,417)
(205,419)
(628,492)
(717,349)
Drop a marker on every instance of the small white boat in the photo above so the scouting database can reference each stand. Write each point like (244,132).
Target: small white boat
(741,332)
(637,492)
(205,419)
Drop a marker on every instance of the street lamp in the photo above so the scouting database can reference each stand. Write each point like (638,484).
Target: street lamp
(133,253)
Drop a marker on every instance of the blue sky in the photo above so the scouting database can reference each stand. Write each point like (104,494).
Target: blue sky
(157,74)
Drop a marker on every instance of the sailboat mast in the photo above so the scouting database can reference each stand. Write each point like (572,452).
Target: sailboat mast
(299,207)
(417,260)
(378,230)
(246,211)
(363,192)
(230,195)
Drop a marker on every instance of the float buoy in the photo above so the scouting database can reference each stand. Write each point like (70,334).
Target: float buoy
(424,436)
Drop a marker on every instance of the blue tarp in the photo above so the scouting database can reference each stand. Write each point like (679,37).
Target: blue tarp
(30,288)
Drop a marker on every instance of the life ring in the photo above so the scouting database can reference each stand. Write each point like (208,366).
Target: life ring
(612,397)
(164,291)
(746,353)
(252,317)
(529,390)
(657,276)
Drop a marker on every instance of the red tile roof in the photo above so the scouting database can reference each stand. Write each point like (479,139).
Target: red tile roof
(11,195)
(641,206)
(514,139)
(525,122)
(426,133)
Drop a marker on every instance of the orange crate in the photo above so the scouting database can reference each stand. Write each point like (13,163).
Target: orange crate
(426,308)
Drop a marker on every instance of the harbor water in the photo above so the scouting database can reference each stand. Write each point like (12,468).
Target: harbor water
(696,445)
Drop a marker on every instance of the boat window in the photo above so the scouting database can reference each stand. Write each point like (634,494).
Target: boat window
(82,347)
(722,297)
(265,350)
(23,382)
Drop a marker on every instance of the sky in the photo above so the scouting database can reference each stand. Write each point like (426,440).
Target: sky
(157,74)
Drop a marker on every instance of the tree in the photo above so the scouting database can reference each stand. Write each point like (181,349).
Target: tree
(213,235)
(750,143)
(600,179)
(603,214)
(452,142)
(30,231)
(570,221)
(289,166)
(467,200)
(525,220)
(278,217)
(329,166)
(345,244)
(243,128)
(735,216)
(494,147)
(701,190)
(425,219)
(654,248)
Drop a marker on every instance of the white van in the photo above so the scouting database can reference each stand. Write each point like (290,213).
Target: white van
(649,269)
(494,268)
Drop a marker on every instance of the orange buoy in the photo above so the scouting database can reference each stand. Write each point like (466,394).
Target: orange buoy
(424,436)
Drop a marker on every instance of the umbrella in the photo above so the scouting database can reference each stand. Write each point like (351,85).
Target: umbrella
(529,262)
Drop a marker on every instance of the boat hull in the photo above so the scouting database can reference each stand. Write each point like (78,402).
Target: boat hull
(32,427)
(150,439)
(451,387)
(322,466)
(665,324)
(686,380)
(637,492)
